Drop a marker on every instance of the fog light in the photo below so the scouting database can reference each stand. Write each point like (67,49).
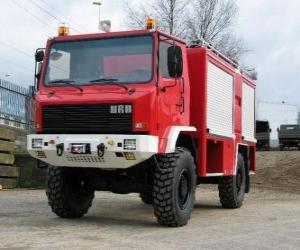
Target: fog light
(129,144)
(37,143)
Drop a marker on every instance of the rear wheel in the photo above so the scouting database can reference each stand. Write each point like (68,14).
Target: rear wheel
(68,193)
(232,188)
(174,188)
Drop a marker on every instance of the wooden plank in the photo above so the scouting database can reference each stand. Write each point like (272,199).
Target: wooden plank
(8,183)
(7,159)
(9,171)
(7,134)
(7,146)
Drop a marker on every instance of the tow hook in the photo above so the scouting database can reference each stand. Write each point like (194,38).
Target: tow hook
(60,149)
(101,150)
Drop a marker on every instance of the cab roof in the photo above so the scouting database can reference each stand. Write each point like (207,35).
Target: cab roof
(111,34)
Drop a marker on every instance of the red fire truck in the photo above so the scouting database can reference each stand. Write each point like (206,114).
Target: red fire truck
(141,112)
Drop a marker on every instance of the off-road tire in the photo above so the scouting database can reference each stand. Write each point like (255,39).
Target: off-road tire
(67,192)
(147,198)
(232,188)
(174,187)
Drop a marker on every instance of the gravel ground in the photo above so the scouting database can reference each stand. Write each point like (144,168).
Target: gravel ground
(269,219)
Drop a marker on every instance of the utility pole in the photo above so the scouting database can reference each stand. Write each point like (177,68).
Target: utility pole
(98,3)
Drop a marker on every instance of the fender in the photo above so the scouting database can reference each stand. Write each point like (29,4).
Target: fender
(173,135)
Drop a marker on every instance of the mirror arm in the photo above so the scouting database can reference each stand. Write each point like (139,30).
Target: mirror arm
(163,89)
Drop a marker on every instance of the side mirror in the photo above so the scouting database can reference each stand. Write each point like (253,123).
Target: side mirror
(270,130)
(39,55)
(175,62)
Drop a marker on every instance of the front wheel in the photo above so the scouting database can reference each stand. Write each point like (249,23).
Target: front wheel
(232,188)
(68,193)
(174,188)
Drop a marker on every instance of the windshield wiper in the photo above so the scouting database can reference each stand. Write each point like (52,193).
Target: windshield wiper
(109,81)
(113,81)
(68,82)
(101,80)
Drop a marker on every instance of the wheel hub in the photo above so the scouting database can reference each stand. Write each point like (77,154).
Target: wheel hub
(184,189)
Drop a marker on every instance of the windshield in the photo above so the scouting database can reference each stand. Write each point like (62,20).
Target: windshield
(122,60)
(289,127)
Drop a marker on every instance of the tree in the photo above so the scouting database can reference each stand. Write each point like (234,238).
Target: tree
(169,15)
(209,20)
(214,21)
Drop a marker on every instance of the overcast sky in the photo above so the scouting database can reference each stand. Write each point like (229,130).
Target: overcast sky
(271,29)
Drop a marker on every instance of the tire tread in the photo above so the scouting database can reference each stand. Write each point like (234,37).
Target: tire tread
(57,199)
(162,189)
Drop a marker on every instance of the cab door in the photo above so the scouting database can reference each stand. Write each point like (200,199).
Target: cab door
(171,94)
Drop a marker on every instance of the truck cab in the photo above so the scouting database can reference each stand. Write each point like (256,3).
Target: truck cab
(289,136)
(262,135)
(108,83)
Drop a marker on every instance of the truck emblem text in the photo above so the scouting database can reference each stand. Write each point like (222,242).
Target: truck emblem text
(120,109)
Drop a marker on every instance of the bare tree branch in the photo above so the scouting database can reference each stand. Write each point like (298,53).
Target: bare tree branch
(170,15)
(211,20)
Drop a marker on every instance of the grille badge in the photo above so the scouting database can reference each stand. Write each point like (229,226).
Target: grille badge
(120,109)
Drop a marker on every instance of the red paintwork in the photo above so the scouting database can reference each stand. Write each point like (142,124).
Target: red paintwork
(215,154)
(158,109)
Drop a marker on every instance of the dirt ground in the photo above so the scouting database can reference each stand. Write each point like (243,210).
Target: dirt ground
(278,170)
(269,219)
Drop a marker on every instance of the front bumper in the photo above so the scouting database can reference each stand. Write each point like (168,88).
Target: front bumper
(114,155)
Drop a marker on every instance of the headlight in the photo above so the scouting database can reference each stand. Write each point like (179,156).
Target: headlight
(129,144)
(37,143)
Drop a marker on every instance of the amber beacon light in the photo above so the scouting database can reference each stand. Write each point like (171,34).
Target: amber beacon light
(63,30)
(151,24)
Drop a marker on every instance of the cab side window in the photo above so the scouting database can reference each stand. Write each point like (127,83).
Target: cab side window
(163,59)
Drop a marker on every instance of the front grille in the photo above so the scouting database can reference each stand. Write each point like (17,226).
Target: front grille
(85,119)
